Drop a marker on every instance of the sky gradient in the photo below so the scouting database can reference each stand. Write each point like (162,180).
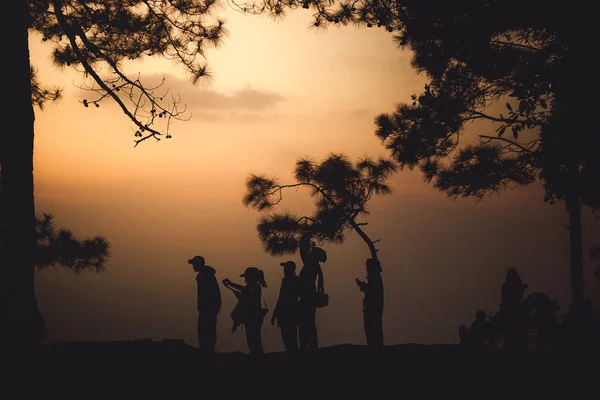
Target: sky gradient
(280,91)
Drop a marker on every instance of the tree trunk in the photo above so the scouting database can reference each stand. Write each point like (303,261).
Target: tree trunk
(22,324)
(364,237)
(577,288)
(572,125)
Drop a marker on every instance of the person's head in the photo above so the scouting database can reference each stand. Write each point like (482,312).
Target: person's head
(253,275)
(373,266)
(289,268)
(512,275)
(318,254)
(197,263)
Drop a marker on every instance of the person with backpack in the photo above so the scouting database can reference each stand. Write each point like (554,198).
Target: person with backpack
(310,272)
(249,311)
(287,309)
(208,304)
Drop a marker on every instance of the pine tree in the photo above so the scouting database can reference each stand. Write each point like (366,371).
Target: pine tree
(90,36)
(524,67)
(341,190)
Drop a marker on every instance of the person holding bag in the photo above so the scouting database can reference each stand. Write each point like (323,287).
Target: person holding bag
(312,295)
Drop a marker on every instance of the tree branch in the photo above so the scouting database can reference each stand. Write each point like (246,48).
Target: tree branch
(347,218)
(490,138)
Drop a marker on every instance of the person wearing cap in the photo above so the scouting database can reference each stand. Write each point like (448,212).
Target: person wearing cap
(209,304)
(373,303)
(286,309)
(311,271)
(249,311)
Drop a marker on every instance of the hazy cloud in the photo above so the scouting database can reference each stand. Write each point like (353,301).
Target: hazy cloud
(243,99)
(360,113)
(209,105)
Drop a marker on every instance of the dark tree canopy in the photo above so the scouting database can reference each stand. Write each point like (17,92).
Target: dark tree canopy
(501,61)
(341,190)
(486,64)
(97,37)
(524,70)
(523,67)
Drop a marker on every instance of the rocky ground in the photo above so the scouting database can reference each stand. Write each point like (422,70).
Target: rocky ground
(174,369)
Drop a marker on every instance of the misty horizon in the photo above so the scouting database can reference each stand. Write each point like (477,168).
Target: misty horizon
(163,203)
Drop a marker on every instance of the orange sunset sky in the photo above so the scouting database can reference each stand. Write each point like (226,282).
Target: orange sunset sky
(280,91)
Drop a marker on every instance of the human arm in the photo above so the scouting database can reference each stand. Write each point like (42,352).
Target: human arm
(234,287)
(218,300)
(304,247)
(361,284)
(231,285)
(276,311)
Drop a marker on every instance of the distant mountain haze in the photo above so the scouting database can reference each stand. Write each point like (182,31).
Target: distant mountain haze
(269,104)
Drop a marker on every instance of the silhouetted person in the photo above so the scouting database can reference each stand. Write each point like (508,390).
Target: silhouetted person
(513,290)
(209,304)
(513,318)
(479,331)
(311,272)
(248,311)
(373,303)
(287,309)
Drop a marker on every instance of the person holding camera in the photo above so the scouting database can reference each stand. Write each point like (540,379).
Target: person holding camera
(249,311)
(209,304)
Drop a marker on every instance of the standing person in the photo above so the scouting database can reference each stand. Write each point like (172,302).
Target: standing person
(513,290)
(286,310)
(480,330)
(373,303)
(513,318)
(311,272)
(249,311)
(209,304)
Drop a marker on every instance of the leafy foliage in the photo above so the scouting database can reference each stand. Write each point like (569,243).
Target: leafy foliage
(99,35)
(521,67)
(486,61)
(40,95)
(62,248)
(341,190)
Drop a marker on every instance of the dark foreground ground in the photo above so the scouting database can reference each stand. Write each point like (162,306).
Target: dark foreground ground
(172,369)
